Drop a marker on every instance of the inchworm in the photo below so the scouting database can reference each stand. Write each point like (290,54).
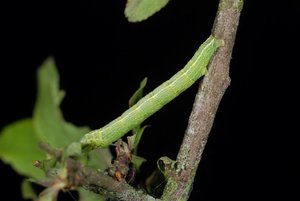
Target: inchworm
(156,99)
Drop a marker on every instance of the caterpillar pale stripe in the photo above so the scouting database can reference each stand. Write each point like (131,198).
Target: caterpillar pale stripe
(156,99)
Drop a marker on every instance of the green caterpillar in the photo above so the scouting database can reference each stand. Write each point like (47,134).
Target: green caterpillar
(156,99)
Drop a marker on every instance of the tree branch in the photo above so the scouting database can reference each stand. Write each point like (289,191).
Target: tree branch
(207,100)
(103,184)
(182,172)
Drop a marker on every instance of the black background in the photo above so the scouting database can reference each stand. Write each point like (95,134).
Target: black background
(252,152)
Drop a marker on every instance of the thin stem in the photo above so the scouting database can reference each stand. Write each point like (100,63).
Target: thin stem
(103,184)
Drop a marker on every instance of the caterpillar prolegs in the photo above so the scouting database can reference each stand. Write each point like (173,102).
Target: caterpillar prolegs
(156,99)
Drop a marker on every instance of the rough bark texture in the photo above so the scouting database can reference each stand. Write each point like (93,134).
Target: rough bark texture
(207,100)
(213,86)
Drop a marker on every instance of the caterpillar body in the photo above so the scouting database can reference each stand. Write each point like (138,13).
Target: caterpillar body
(156,99)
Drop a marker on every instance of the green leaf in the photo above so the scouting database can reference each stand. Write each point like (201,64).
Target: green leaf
(138,130)
(19,141)
(138,135)
(27,190)
(74,149)
(138,10)
(138,94)
(166,165)
(19,148)
(48,120)
(137,161)
(99,159)
(86,195)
